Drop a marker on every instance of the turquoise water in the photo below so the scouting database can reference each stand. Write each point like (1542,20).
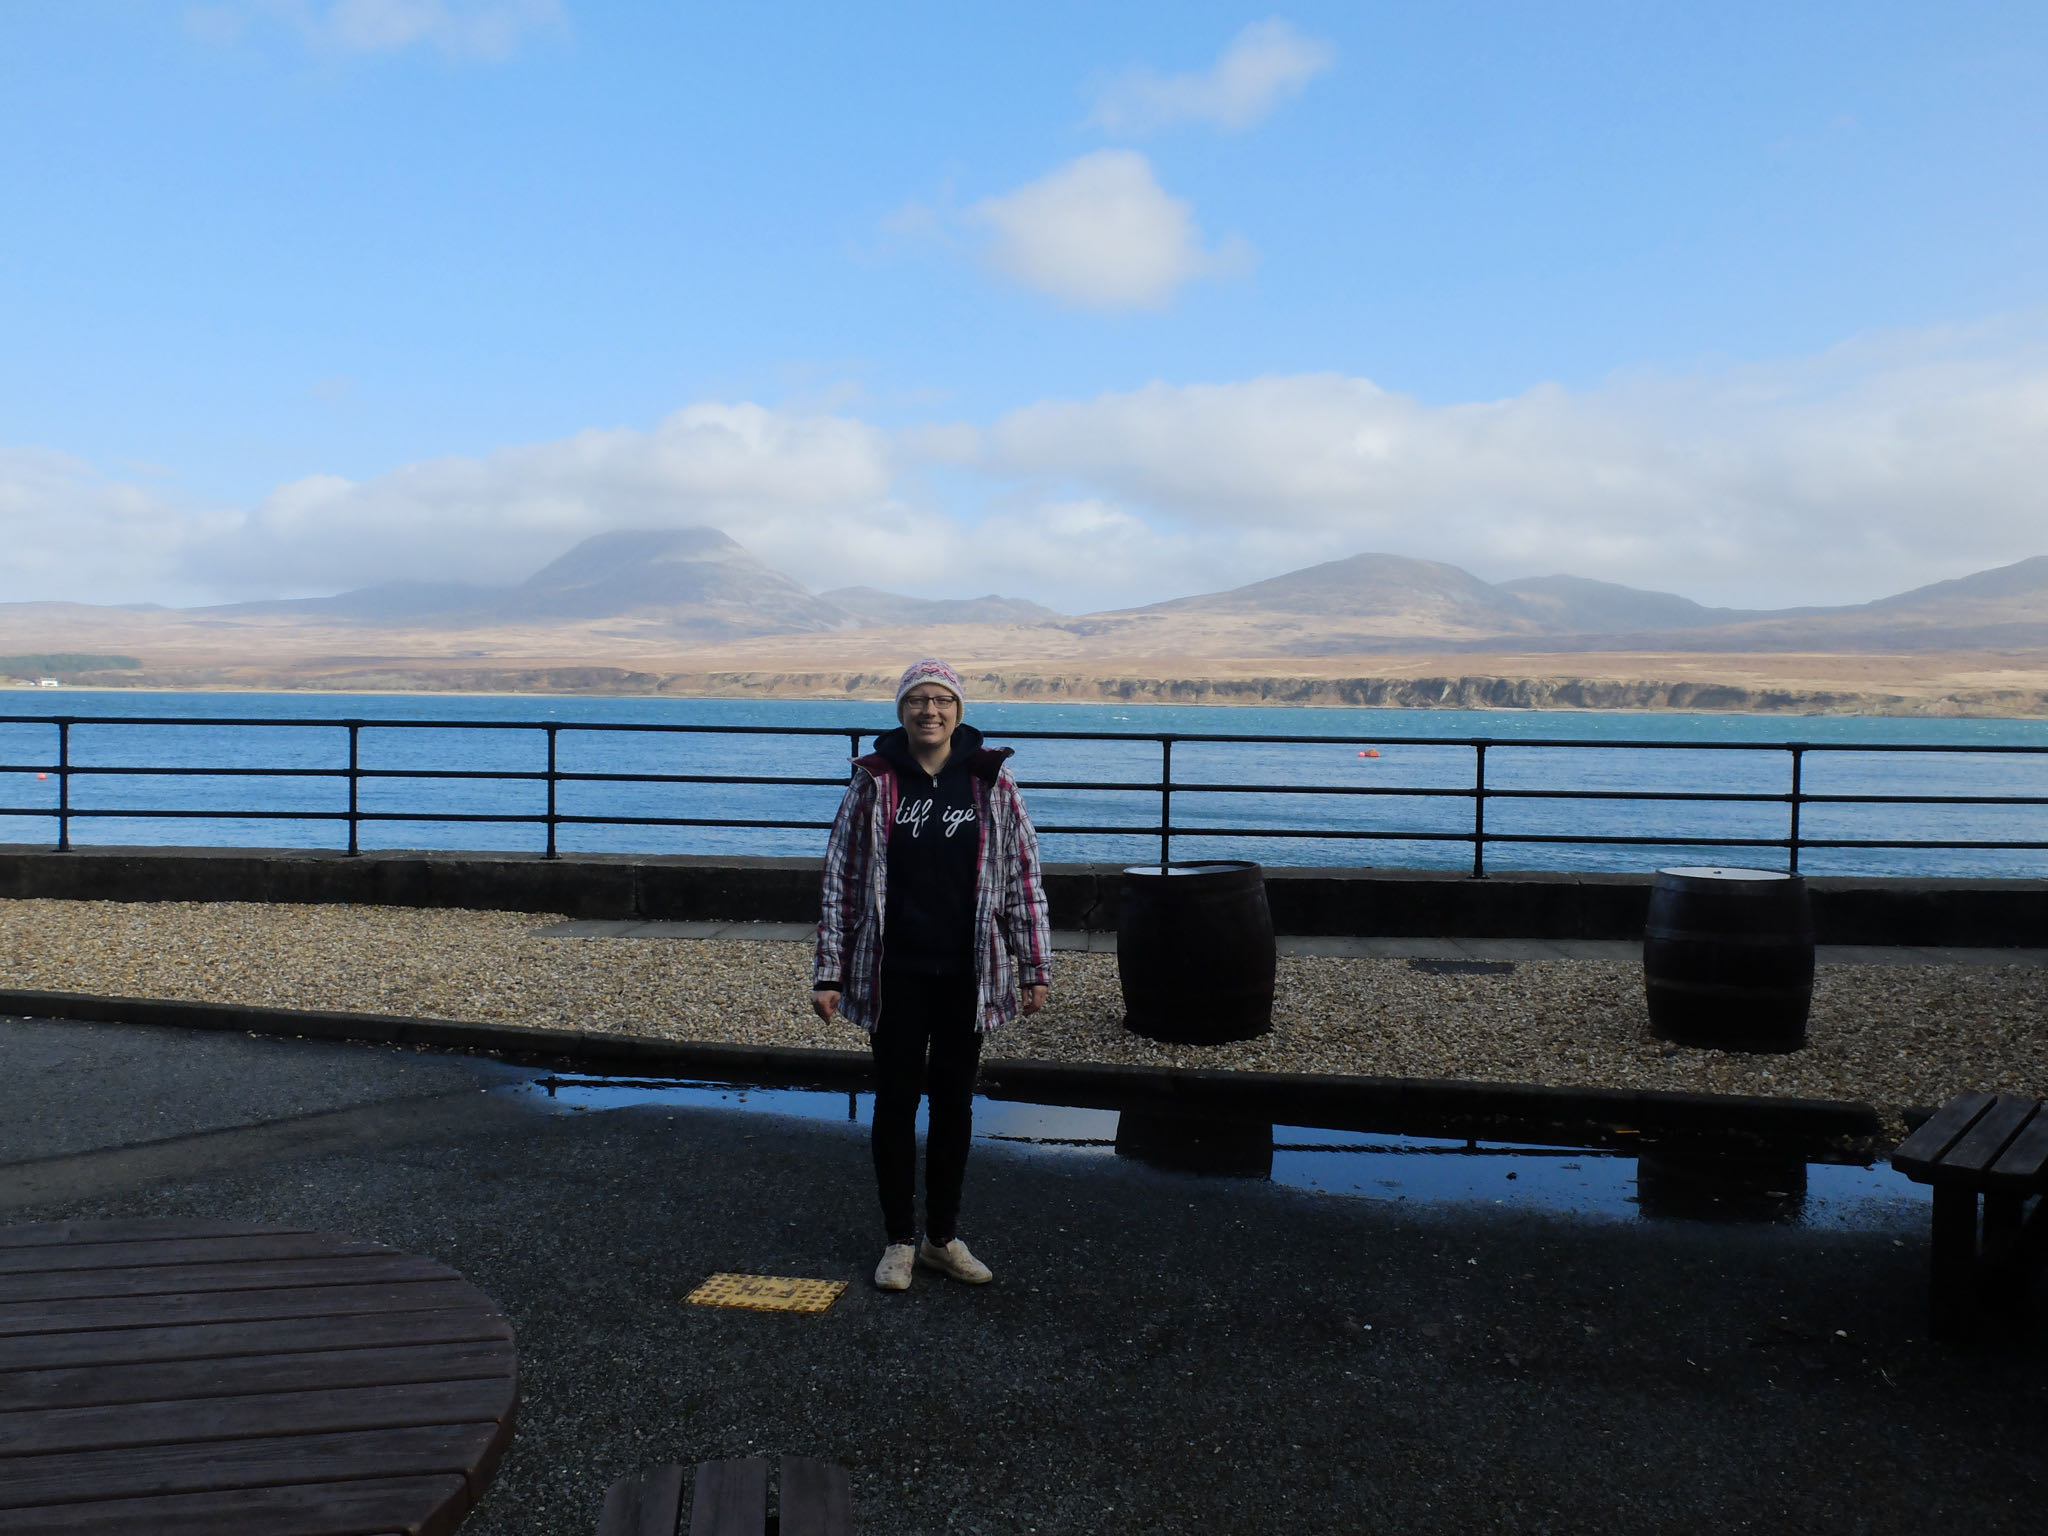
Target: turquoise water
(1680,753)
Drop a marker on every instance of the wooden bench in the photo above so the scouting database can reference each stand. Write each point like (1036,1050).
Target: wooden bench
(1993,1147)
(731,1499)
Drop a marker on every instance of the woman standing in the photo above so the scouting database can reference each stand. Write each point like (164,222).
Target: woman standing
(933,933)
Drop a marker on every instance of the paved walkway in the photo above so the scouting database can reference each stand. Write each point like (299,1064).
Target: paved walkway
(1625,951)
(1158,1353)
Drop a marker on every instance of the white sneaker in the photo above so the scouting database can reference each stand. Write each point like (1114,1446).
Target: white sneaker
(893,1273)
(954,1260)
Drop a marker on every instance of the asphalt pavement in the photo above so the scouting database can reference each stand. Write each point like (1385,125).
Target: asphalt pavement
(1158,1352)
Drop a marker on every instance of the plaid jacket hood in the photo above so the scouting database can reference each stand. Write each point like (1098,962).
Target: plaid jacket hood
(1012,936)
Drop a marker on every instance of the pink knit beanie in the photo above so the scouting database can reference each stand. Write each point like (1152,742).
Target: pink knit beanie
(931,670)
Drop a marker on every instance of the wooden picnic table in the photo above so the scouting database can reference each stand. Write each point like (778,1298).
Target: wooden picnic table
(1993,1148)
(211,1378)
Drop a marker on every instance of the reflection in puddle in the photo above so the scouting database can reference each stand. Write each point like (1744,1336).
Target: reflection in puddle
(1187,1144)
(1674,1181)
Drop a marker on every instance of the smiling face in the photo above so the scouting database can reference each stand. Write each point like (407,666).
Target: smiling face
(929,712)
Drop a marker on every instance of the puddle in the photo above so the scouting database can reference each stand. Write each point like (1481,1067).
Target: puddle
(1589,1182)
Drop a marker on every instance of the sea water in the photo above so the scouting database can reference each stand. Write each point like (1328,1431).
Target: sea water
(282,770)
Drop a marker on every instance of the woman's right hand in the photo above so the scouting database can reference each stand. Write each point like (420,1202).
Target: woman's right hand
(825,1005)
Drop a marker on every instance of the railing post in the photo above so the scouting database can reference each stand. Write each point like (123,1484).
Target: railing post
(354,771)
(1165,802)
(63,786)
(1479,809)
(1798,763)
(551,793)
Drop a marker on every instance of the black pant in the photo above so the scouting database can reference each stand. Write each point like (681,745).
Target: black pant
(925,1043)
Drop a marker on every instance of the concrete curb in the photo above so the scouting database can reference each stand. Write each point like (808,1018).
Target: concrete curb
(1393,1105)
(1422,1106)
(584,1050)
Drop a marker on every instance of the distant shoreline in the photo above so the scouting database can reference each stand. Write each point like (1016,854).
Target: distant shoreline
(1472,691)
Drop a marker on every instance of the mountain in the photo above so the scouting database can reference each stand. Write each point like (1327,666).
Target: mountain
(2009,591)
(1423,594)
(1582,606)
(875,607)
(692,582)
(687,582)
(1394,596)
(1389,602)
(689,578)
(2001,609)
(389,602)
(695,587)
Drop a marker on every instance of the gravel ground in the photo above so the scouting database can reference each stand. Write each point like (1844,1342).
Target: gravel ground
(1889,1035)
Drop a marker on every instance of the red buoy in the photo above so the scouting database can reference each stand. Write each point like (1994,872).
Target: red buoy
(1370,752)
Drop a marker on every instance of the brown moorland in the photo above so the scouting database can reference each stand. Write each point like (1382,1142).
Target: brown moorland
(691,613)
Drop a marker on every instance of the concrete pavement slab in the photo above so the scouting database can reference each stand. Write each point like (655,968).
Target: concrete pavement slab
(70,1088)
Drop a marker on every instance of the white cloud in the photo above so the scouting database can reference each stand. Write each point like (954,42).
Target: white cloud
(1100,233)
(1263,65)
(71,534)
(800,491)
(1880,465)
(1869,469)
(463,29)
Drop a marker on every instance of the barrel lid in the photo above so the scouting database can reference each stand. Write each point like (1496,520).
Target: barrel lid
(1723,872)
(1214,867)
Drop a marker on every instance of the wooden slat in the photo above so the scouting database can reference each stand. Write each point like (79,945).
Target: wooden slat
(1972,1156)
(1920,1152)
(246,1375)
(2023,1166)
(237,1306)
(731,1498)
(236,1249)
(817,1498)
(650,1504)
(128,1229)
(486,1468)
(415,1506)
(46,1432)
(661,1505)
(275,1461)
(214,1341)
(621,1512)
(259,1274)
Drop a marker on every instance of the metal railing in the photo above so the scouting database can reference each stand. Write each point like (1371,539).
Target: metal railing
(350,771)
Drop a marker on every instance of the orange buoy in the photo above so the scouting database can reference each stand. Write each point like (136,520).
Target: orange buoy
(42,775)
(1370,752)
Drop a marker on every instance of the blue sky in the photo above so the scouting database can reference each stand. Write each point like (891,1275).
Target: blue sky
(1088,304)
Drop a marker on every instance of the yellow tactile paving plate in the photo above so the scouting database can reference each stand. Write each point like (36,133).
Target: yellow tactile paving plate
(766,1293)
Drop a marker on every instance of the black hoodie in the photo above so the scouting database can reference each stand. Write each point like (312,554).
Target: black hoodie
(934,854)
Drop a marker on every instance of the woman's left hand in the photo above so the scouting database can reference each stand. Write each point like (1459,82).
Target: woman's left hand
(1033,999)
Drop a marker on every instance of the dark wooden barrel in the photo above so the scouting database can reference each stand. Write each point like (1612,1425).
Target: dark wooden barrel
(1194,951)
(1728,958)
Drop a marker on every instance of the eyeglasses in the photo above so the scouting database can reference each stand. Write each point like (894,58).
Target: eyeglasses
(918,703)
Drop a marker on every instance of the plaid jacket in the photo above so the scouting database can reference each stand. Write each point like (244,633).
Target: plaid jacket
(1012,938)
